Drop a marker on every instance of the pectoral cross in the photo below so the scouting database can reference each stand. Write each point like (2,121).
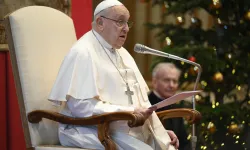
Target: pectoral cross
(129,93)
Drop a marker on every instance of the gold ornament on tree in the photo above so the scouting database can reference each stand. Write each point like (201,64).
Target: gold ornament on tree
(247,15)
(211,127)
(193,71)
(216,4)
(234,128)
(218,77)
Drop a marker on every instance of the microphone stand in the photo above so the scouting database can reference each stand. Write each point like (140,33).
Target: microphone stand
(193,137)
(162,54)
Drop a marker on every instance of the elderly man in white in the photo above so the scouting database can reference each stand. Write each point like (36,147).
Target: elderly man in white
(97,76)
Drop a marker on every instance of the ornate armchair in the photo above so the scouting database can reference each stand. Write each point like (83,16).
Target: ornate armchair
(39,37)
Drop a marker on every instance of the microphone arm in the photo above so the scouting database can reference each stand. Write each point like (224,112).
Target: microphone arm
(139,48)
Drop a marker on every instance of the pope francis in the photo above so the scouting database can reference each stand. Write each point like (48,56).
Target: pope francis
(97,76)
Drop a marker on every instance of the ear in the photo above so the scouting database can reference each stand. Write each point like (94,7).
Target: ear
(154,82)
(99,21)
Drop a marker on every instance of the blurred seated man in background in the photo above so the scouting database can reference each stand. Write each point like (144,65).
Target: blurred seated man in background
(165,82)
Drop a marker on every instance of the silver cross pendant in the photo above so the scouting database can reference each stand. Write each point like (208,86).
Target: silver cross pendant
(129,93)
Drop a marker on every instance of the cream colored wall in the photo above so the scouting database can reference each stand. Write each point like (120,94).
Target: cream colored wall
(140,33)
(146,13)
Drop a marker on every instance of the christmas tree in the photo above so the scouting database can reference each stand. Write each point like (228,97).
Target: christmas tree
(223,51)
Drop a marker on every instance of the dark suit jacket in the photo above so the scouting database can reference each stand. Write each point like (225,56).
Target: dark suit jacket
(174,124)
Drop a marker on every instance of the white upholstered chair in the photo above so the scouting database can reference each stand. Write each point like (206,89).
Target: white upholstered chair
(39,37)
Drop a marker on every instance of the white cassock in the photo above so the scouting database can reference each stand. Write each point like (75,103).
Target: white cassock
(90,84)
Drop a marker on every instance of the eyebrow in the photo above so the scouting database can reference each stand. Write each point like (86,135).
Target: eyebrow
(121,16)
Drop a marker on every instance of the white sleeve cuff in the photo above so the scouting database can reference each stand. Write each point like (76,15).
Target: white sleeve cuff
(101,108)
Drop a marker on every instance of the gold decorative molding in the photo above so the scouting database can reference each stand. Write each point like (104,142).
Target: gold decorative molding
(62,5)
(12,5)
(3,39)
(4,47)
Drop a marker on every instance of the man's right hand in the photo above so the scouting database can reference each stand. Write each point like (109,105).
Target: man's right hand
(146,112)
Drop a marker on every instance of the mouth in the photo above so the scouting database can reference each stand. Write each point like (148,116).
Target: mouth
(123,36)
(168,91)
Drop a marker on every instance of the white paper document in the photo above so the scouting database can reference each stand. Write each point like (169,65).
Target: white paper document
(175,98)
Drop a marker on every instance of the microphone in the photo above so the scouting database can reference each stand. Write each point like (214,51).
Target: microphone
(139,48)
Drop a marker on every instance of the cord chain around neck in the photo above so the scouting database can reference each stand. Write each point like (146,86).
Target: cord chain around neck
(111,60)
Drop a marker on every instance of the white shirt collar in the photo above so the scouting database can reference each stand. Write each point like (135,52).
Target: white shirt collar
(103,42)
(157,94)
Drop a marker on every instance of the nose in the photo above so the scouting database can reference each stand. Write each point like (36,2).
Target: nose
(171,84)
(126,28)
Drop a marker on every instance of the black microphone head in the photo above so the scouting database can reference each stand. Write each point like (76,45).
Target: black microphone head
(139,48)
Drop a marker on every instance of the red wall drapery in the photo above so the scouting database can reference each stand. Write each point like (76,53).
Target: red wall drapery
(82,16)
(11,133)
(3,100)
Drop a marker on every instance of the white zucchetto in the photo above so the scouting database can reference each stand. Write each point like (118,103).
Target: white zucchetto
(106,4)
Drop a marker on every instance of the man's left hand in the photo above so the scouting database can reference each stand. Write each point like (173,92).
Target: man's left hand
(174,139)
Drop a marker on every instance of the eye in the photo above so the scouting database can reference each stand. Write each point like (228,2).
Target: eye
(166,80)
(120,22)
(130,24)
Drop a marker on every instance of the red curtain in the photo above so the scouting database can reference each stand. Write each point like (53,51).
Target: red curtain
(82,16)
(3,100)
(11,133)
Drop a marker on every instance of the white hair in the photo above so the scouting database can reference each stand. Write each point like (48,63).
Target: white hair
(164,65)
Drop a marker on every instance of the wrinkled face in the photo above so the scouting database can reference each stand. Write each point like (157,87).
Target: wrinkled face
(166,82)
(112,31)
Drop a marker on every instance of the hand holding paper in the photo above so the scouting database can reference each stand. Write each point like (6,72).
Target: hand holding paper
(175,98)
